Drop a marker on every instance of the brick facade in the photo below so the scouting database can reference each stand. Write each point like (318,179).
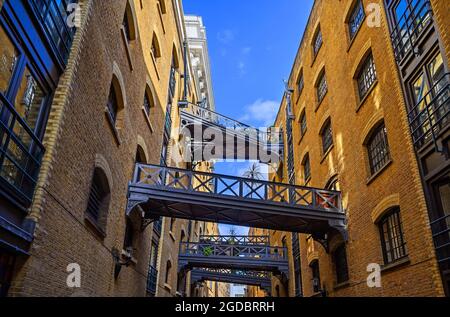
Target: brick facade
(351,121)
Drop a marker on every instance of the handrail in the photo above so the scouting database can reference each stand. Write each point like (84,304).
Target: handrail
(240,273)
(249,240)
(227,122)
(233,251)
(171,178)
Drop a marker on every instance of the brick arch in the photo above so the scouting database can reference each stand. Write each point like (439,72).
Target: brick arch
(372,124)
(319,72)
(118,84)
(349,10)
(384,206)
(102,163)
(360,58)
(141,143)
(150,88)
(325,118)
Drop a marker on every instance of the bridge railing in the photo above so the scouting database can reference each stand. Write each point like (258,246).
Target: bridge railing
(244,189)
(233,239)
(199,249)
(241,273)
(271,137)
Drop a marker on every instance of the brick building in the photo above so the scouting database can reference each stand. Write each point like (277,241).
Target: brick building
(97,98)
(351,132)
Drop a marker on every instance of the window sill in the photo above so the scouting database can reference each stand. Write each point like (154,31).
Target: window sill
(395,265)
(374,176)
(341,285)
(147,119)
(325,155)
(369,92)
(168,287)
(113,127)
(95,226)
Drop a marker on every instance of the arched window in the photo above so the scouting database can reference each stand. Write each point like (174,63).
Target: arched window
(391,233)
(333,184)
(168,272)
(355,18)
(326,134)
(116,102)
(306,168)
(155,49)
(300,83)
(378,149)
(162,6)
(113,104)
(129,235)
(321,86)
(303,123)
(98,201)
(140,156)
(317,41)
(172,224)
(366,76)
(128,24)
(149,101)
(340,264)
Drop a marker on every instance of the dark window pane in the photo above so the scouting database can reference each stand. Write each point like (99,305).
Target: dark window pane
(340,261)
(322,87)
(317,42)
(356,19)
(367,76)
(112,104)
(393,244)
(307,169)
(327,137)
(378,149)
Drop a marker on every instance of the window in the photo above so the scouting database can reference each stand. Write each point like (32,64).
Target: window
(300,83)
(303,123)
(378,149)
(155,49)
(333,184)
(366,76)
(392,242)
(317,42)
(129,233)
(98,201)
(306,168)
(356,19)
(126,24)
(168,272)
(315,276)
(322,87)
(327,137)
(340,263)
(113,106)
(148,101)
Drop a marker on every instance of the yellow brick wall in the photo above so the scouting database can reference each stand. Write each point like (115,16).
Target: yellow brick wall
(347,159)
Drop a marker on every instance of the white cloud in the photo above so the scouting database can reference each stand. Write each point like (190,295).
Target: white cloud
(246,50)
(242,68)
(225,36)
(262,112)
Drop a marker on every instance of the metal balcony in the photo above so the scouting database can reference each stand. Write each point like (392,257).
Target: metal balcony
(233,256)
(253,278)
(243,141)
(409,27)
(430,116)
(179,193)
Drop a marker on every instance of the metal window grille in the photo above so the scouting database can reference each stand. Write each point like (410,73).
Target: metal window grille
(393,243)
(307,169)
(378,149)
(356,19)
(367,76)
(322,87)
(112,104)
(303,124)
(327,137)
(317,42)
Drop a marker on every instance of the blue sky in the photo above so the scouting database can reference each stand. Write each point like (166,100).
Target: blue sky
(252,46)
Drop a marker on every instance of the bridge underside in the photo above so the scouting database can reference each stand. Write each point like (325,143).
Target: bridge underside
(232,278)
(189,262)
(259,214)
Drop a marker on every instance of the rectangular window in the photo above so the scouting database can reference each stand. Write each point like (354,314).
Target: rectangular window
(378,149)
(327,137)
(307,169)
(303,124)
(300,84)
(322,88)
(393,244)
(356,19)
(367,77)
